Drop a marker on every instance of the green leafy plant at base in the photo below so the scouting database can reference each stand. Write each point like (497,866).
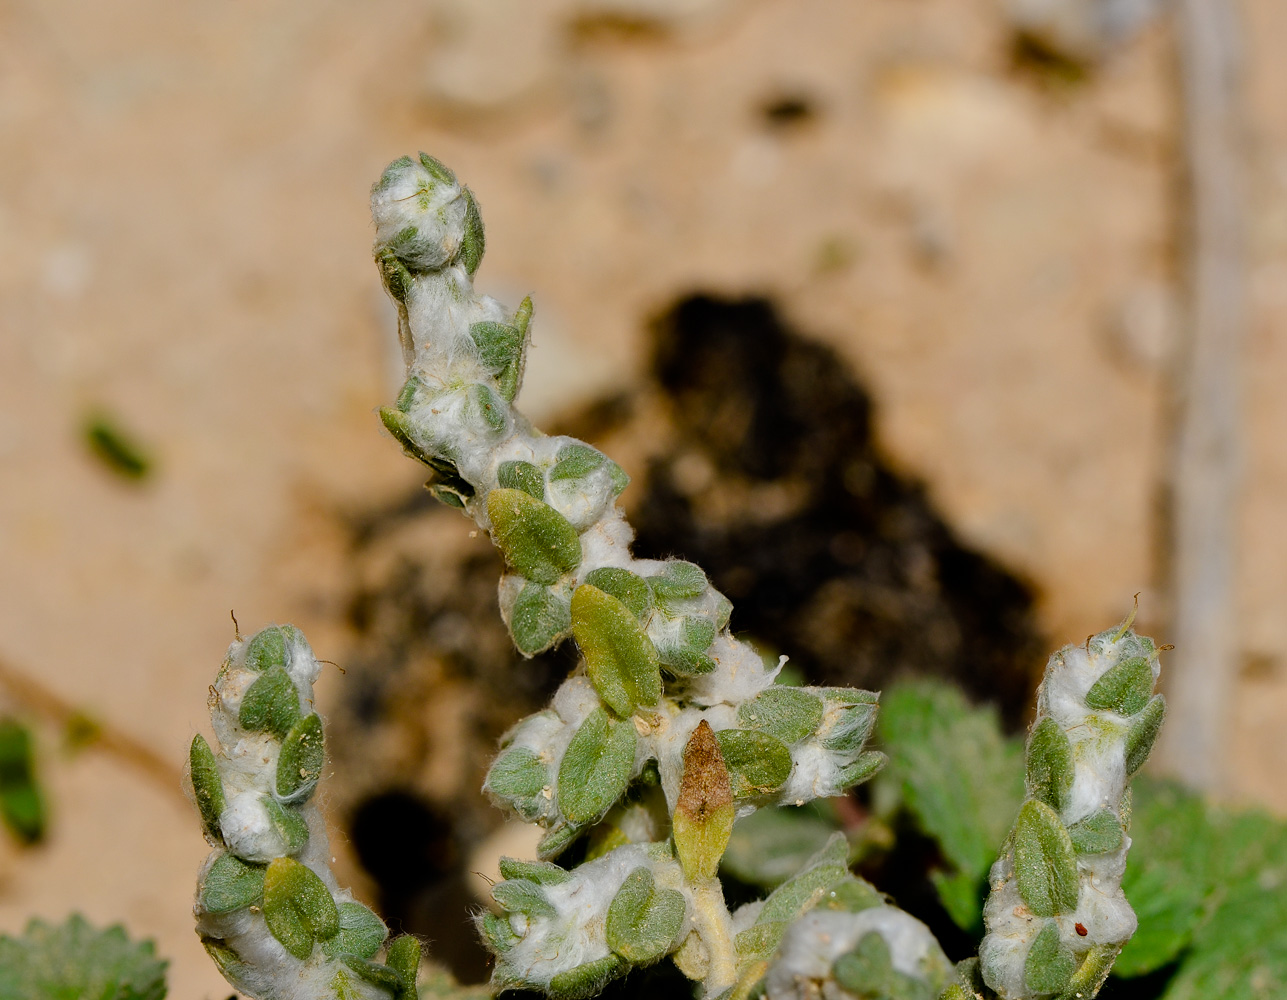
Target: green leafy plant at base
(75,961)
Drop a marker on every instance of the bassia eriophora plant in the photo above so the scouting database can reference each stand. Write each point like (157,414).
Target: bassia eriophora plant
(667,732)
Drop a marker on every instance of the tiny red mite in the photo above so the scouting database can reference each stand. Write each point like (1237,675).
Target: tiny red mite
(1081,929)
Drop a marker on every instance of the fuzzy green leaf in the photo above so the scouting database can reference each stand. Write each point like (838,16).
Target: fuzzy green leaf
(536,540)
(267,649)
(1143,734)
(678,581)
(518,775)
(643,919)
(361,933)
(298,907)
(1050,964)
(757,762)
(1097,833)
(299,766)
(207,786)
(620,658)
(788,713)
(474,241)
(540,872)
(866,766)
(587,980)
(539,618)
(868,973)
(1045,869)
(626,587)
(289,824)
(271,704)
(596,767)
(499,344)
(521,476)
(522,896)
(403,957)
(1124,688)
(231,884)
(795,896)
(487,408)
(1050,765)
(575,461)
(687,656)
(76,961)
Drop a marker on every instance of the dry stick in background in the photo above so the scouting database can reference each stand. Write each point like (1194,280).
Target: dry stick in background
(1204,460)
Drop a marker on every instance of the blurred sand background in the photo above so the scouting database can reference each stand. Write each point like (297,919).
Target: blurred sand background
(184,244)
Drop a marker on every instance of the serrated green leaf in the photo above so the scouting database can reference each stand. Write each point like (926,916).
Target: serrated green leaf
(1045,868)
(1097,833)
(575,461)
(270,704)
(207,786)
(1143,734)
(620,658)
(1050,964)
(952,769)
(298,907)
(788,713)
(628,588)
(587,980)
(680,580)
(1050,764)
(231,884)
(1124,688)
(758,763)
(596,767)
(539,618)
(643,920)
(361,933)
(521,476)
(75,961)
(535,539)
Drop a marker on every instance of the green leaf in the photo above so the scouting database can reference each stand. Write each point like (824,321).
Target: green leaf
(557,840)
(678,581)
(575,461)
(788,713)
(539,618)
(1045,869)
(521,476)
(298,907)
(757,762)
(536,540)
(540,872)
(867,972)
(643,920)
(289,824)
(1143,734)
(207,786)
(1097,833)
(961,894)
(864,767)
(76,961)
(403,957)
(770,845)
(497,933)
(499,344)
(620,658)
(361,933)
(1050,764)
(522,896)
(628,588)
(21,804)
(688,656)
(270,704)
(1124,688)
(596,767)
(436,168)
(299,766)
(375,974)
(799,894)
(952,769)
(518,775)
(231,884)
(488,408)
(1050,964)
(267,649)
(587,980)
(474,240)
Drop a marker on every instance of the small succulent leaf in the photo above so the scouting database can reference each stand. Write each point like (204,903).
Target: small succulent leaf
(596,767)
(1143,734)
(1045,867)
(489,409)
(407,394)
(403,957)
(76,960)
(522,896)
(298,907)
(1050,964)
(680,580)
(557,840)
(436,168)
(499,344)
(361,933)
(620,658)
(868,764)
(575,461)
(1097,833)
(535,539)
(521,476)
(231,884)
(757,762)
(703,820)
(1124,688)
(540,618)
(644,920)
(619,478)
(267,648)
(299,766)
(540,872)
(1050,764)
(207,786)
(375,974)
(288,822)
(498,934)
(587,980)
(788,713)
(628,588)
(270,704)
(474,241)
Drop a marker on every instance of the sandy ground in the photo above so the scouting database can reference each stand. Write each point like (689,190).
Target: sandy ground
(184,244)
